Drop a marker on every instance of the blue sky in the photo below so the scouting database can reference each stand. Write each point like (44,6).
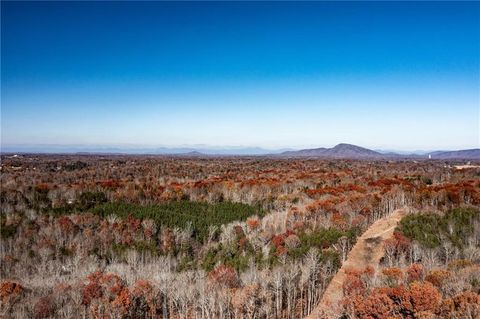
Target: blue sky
(401,76)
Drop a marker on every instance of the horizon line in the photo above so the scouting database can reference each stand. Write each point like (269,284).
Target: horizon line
(86,147)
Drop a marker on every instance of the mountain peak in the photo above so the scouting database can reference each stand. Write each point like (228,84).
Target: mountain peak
(346,146)
(342,150)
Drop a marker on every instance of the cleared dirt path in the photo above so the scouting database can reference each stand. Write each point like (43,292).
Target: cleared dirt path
(367,251)
(466,166)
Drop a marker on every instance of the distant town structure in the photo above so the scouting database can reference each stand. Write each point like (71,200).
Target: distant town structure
(429,156)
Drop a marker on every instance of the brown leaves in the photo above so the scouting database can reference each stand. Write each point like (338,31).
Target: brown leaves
(466,303)
(414,272)
(244,298)
(438,277)
(101,285)
(394,275)
(225,276)
(376,306)
(253,223)
(10,291)
(353,284)
(398,243)
(123,301)
(424,296)
(44,308)
(91,291)
(66,225)
(418,298)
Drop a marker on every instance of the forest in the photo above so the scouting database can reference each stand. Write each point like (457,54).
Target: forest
(117,236)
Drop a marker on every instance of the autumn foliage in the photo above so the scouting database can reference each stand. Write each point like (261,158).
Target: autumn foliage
(224,275)
(179,237)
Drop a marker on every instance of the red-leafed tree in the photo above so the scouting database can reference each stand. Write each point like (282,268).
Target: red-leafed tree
(224,275)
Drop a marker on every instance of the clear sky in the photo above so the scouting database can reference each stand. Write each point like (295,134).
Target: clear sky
(399,76)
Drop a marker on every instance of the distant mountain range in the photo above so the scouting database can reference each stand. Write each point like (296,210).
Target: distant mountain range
(356,152)
(343,150)
(194,150)
(464,154)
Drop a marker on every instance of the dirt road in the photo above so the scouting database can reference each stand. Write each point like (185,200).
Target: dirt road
(367,251)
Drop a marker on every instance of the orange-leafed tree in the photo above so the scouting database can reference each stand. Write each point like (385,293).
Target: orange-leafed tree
(376,306)
(414,272)
(424,297)
(10,293)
